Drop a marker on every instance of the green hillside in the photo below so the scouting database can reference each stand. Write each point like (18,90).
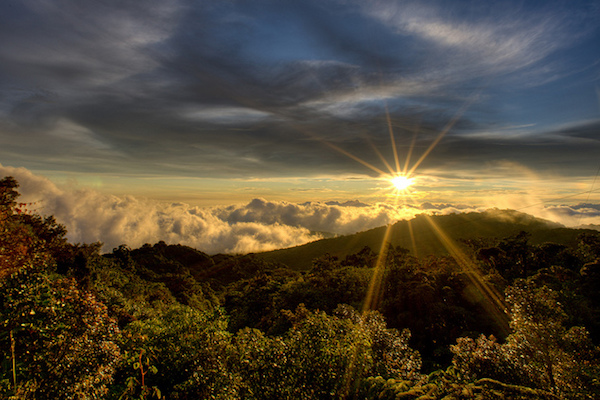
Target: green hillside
(492,223)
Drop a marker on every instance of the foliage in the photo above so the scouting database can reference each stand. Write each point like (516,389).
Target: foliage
(321,356)
(540,353)
(447,385)
(250,303)
(18,244)
(186,347)
(326,286)
(65,340)
(61,337)
(390,349)
(589,248)
(168,321)
(141,362)
(178,268)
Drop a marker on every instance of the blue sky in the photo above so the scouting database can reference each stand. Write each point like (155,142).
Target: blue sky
(216,102)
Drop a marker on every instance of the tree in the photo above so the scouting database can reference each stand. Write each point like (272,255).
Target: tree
(320,357)
(64,340)
(541,352)
(390,349)
(187,350)
(8,196)
(17,241)
(551,353)
(61,338)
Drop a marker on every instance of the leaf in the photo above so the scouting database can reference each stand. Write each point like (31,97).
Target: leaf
(131,382)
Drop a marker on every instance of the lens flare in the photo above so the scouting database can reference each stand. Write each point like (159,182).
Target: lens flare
(401,182)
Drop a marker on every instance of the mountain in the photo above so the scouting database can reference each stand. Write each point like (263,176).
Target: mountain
(426,239)
(595,227)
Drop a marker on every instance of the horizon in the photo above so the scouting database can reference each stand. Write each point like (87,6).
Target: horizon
(239,127)
(257,226)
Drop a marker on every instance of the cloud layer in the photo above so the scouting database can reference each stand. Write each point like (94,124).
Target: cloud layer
(260,225)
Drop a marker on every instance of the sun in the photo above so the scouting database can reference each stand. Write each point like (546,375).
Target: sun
(401,182)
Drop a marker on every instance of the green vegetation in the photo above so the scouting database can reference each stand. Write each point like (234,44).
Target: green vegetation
(489,225)
(170,322)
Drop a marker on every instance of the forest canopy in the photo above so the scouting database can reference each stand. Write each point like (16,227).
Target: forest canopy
(169,321)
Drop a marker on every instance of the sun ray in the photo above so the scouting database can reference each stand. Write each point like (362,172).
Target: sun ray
(413,241)
(411,148)
(374,291)
(355,158)
(441,135)
(382,158)
(392,139)
(493,302)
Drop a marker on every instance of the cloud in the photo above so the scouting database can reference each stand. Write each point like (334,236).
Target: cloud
(257,226)
(251,89)
(581,214)
(224,115)
(487,41)
(319,217)
(68,44)
(260,225)
(91,216)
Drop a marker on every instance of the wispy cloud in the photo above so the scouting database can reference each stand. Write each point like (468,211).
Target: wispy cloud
(499,39)
(91,45)
(260,89)
(224,115)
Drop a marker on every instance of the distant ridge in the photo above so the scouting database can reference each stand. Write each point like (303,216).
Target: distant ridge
(493,223)
(595,227)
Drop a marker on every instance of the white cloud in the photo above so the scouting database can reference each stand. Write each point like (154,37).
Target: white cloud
(260,225)
(91,216)
(572,215)
(257,226)
(500,41)
(224,114)
(76,134)
(318,217)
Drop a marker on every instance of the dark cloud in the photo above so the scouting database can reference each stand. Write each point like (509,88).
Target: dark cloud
(245,89)
(571,151)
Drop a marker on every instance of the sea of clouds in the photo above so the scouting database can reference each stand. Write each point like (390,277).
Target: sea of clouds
(259,225)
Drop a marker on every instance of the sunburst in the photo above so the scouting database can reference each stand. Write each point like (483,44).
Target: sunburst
(401,183)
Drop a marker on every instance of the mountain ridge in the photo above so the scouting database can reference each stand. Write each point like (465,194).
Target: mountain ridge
(421,237)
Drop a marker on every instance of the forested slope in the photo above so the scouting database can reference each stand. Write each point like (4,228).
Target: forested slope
(168,321)
(421,236)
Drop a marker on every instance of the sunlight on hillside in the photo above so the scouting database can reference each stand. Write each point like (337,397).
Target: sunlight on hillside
(400,180)
(492,300)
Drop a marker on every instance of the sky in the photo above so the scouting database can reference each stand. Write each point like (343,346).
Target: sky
(238,126)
